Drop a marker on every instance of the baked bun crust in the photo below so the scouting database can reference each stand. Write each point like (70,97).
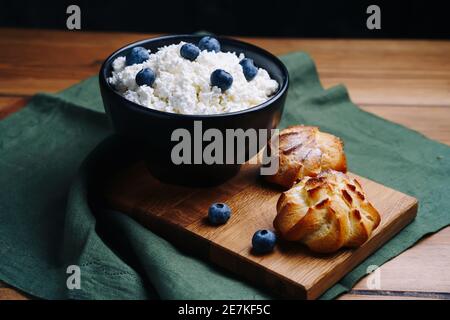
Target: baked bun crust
(306,151)
(326,213)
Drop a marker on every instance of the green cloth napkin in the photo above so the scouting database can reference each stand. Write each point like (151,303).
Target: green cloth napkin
(48,222)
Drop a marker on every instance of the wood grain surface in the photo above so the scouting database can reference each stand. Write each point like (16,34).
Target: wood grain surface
(179,214)
(405,81)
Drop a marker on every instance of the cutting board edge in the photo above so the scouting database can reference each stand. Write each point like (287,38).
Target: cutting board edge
(254,272)
(389,232)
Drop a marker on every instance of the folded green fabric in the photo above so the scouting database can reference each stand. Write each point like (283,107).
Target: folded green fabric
(48,222)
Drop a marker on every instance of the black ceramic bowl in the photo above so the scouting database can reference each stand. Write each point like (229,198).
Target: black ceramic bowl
(152,129)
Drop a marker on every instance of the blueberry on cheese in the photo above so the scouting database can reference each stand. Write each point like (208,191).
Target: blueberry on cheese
(189,51)
(137,55)
(248,68)
(145,77)
(209,44)
(221,79)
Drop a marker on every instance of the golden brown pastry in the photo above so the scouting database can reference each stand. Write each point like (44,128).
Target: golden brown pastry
(306,151)
(326,212)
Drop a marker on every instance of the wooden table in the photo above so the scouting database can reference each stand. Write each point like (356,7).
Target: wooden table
(407,82)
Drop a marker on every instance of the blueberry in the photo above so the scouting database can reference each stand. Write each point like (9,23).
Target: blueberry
(145,76)
(137,55)
(209,44)
(248,68)
(218,213)
(189,51)
(221,79)
(263,241)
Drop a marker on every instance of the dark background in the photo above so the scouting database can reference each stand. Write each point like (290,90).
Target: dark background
(286,18)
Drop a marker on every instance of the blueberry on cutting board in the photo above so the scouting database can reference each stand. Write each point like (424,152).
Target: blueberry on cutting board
(221,79)
(145,77)
(219,213)
(189,51)
(137,55)
(263,241)
(209,44)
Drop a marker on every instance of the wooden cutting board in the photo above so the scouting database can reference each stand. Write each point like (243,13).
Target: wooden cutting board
(292,271)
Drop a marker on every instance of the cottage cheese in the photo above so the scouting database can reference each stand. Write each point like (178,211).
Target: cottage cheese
(183,86)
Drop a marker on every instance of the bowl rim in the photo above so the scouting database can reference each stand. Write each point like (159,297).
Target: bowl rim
(280,92)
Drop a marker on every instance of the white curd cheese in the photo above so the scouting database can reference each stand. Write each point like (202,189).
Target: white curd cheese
(183,86)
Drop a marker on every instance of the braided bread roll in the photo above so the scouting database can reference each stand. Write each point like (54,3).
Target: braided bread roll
(326,213)
(306,151)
